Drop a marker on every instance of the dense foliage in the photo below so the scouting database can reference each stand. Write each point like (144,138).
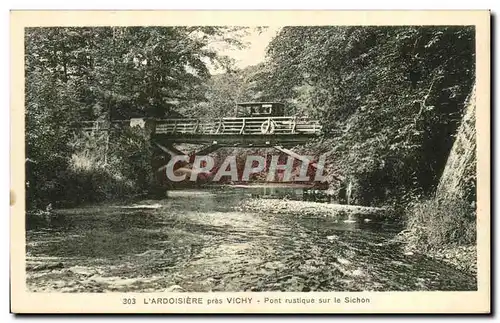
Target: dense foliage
(227,89)
(389,98)
(105,73)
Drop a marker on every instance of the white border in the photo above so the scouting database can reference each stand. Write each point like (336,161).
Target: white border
(191,4)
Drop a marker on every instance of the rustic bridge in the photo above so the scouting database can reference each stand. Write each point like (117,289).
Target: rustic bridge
(255,125)
(244,132)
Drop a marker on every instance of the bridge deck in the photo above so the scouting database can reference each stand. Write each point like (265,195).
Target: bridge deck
(238,132)
(239,126)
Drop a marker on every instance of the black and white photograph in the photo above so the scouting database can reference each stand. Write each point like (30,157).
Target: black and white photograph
(250,158)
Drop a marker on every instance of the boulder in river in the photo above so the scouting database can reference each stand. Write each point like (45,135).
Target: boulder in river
(174,289)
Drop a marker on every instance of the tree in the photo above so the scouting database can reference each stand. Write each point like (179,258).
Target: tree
(88,73)
(389,98)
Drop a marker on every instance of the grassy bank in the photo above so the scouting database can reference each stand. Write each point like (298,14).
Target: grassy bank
(443,229)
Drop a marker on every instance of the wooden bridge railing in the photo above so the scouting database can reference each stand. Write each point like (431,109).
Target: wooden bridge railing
(239,126)
(223,126)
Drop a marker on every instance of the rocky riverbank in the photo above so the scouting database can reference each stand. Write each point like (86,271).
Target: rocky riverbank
(463,258)
(305,208)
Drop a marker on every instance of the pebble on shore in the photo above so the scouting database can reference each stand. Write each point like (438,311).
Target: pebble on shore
(306,208)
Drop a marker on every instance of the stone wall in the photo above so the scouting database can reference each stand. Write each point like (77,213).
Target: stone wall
(459,175)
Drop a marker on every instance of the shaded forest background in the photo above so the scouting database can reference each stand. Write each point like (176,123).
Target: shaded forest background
(390,100)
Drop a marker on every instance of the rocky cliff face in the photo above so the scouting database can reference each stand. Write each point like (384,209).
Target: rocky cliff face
(458,180)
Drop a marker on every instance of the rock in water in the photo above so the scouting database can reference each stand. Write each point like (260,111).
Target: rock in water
(357,272)
(174,289)
(141,206)
(83,271)
(51,266)
(343,261)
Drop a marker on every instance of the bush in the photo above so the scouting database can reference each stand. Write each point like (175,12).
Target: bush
(90,186)
(95,172)
(437,223)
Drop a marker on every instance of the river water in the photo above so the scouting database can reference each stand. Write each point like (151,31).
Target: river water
(201,240)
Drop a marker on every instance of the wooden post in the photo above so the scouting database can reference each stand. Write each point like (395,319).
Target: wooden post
(243,127)
(296,156)
(107,146)
(197,126)
(175,126)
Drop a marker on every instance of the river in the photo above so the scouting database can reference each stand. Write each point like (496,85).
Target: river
(201,240)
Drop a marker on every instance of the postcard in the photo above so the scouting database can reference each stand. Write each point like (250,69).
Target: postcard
(250,162)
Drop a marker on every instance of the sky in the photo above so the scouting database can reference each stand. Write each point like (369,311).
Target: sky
(254,53)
